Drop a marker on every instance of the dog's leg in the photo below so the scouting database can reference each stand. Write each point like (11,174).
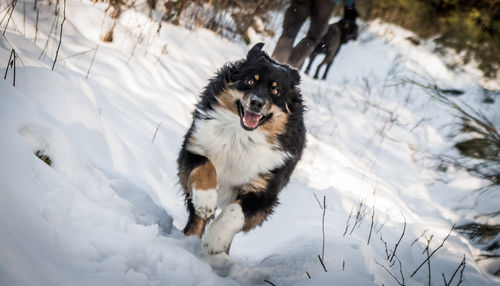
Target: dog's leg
(220,233)
(199,180)
(203,184)
(247,212)
(331,56)
(311,60)
(326,70)
(318,68)
(195,224)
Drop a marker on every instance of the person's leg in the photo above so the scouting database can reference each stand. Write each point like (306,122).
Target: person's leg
(295,16)
(320,13)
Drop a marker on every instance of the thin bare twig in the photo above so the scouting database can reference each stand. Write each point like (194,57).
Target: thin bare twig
(387,255)
(60,35)
(92,62)
(7,8)
(322,264)
(360,215)
(347,222)
(11,63)
(24,18)
(13,6)
(317,200)
(428,261)
(77,54)
(8,64)
(309,276)
(400,238)
(383,223)
(154,136)
(428,243)
(36,25)
(418,238)
(14,80)
(435,250)
(461,273)
(460,267)
(48,38)
(390,273)
(401,270)
(269,282)
(373,216)
(323,228)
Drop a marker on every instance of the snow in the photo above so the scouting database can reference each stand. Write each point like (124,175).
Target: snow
(109,210)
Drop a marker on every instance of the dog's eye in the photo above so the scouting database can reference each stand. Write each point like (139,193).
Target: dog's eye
(274,92)
(250,82)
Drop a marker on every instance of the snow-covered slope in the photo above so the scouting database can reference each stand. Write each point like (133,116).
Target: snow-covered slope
(109,212)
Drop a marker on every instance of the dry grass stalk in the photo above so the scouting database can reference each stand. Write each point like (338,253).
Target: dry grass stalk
(60,35)
(92,62)
(11,64)
(12,6)
(435,250)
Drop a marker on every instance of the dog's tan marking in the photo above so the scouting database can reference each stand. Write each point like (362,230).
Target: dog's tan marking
(203,177)
(254,220)
(266,109)
(196,226)
(274,84)
(256,76)
(227,99)
(258,184)
(276,125)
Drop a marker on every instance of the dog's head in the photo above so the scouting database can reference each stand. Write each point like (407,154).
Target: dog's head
(261,91)
(350,31)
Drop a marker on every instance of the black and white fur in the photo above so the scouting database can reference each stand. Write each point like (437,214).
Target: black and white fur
(246,138)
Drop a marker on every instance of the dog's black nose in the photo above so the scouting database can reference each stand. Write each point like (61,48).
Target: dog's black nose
(256,103)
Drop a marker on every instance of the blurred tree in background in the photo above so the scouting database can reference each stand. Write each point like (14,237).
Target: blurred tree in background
(229,18)
(470,27)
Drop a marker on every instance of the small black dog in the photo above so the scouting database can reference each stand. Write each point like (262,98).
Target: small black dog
(338,33)
(246,137)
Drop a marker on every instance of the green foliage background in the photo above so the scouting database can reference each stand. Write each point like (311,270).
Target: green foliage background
(471,27)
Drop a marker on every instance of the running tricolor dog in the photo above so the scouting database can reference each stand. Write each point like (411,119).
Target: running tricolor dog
(246,138)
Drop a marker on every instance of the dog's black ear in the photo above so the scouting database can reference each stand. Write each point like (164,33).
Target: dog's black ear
(295,76)
(255,51)
(294,100)
(234,72)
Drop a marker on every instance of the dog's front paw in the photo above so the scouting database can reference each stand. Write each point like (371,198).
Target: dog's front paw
(205,203)
(213,243)
(220,233)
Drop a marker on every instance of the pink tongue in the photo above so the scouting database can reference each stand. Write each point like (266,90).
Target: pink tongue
(251,119)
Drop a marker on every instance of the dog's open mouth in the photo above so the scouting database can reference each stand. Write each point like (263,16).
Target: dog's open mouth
(250,120)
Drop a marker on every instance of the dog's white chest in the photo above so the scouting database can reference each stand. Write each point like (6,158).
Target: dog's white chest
(238,155)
